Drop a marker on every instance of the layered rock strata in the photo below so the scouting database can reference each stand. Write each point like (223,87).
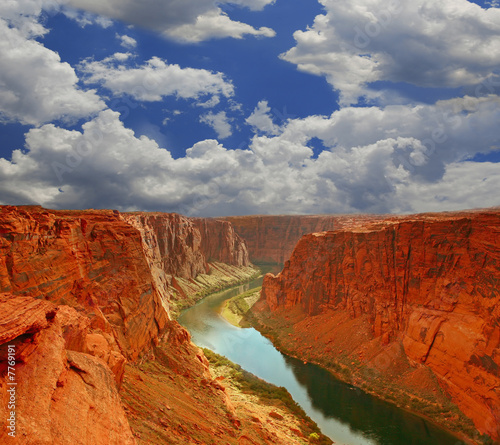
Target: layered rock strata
(190,256)
(271,239)
(83,292)
(92,261)
(428,283)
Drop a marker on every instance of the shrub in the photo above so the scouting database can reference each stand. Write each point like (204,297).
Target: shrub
(314,436)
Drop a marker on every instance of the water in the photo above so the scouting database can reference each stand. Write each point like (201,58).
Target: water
(345,414)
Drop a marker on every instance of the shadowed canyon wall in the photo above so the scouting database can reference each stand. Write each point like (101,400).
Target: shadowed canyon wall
(428,283)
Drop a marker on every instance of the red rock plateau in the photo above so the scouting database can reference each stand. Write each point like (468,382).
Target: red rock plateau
(85,302)
(412,302)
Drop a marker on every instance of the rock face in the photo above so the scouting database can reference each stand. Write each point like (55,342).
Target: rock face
(61,396)
(220,243)
(271,239)
(82,293)
(92,261)
(183,247)
(180,249)
(428,282)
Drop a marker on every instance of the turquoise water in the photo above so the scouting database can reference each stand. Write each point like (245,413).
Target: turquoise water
(346,414)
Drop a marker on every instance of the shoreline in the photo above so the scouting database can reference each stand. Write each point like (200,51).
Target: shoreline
(254,322)
(233,309)
(235,319)
(338,376)
(189,300)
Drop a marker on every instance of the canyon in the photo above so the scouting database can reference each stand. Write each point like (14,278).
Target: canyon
(89,300)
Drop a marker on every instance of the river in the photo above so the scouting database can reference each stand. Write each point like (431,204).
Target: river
(345,414)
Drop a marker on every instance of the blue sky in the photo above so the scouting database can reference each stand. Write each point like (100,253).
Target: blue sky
(251,106)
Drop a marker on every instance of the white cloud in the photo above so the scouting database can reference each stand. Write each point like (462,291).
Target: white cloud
(61,162)
(35,85)
(19,11)
(261,120)
(187,20)
(399,159)
(219,122)
(254,5)
(210,103)
(215,24)
(127,41)
(451,43)
(465,185)
(155,79)
(85,19)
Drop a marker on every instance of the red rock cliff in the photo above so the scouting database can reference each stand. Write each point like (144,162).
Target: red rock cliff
(429,282)
(82,292)
(92,261)
(79,300)
(271,239)
(178,249)
(220,242)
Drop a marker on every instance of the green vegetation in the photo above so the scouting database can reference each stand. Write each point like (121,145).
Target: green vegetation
(236,308)
(268,394)
(314,437)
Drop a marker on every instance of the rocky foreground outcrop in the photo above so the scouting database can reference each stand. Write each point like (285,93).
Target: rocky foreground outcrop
(82,294)
(403,297)
(61,395)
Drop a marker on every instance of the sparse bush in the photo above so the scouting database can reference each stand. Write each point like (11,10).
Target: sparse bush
(314,437)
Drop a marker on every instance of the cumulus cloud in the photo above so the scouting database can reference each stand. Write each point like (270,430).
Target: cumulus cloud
(451,43)
(395,159)
(35,85)
(465,185)
(187,20)
(155,79)
(219,122)
(215,24)
(261,120)
(127,41)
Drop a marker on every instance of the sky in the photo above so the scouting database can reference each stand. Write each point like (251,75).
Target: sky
(212,108)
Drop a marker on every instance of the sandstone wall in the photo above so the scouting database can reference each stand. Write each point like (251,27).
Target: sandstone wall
(92,261)
(429,281)
(82,292)
(271,239)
